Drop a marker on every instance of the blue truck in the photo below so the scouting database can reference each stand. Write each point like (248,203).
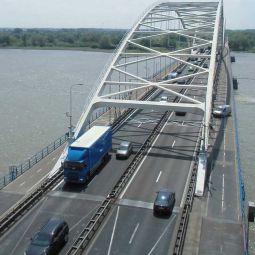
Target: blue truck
(86,154)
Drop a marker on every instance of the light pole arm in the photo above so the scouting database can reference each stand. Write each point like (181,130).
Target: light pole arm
(70,111)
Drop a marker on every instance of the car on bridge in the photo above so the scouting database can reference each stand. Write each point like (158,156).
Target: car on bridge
(164,203)
(50,239)
(164,99)
(222,111)
(124,150)
(172,75)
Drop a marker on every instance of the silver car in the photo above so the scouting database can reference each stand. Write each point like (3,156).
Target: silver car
(222,111)
(124,151)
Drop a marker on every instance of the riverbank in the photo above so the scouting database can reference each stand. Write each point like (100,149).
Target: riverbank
(60,48)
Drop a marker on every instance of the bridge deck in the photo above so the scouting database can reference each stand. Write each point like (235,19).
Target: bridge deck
(215,225)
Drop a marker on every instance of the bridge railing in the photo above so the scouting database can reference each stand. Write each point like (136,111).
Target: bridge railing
(16,171)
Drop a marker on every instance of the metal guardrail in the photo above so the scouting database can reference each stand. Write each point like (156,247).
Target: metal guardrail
(16,171)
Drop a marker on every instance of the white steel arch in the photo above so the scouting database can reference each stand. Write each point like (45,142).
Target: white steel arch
(168,36)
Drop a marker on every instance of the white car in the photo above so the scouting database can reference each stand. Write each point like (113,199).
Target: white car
(172,75)
(163,99)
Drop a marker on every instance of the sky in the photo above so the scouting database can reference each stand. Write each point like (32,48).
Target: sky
(102,13)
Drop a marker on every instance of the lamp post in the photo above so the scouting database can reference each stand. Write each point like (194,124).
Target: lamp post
(69,114)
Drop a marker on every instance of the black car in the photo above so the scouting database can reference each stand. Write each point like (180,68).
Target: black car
(179,113)
(164,203)
(50,239)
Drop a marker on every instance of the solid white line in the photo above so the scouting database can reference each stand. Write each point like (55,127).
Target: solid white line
(132,237)
(222,198)
(36,184)
(208,194)
(22,184)
(140,124)
(190,172)
(173,144)
(224,130)
(58,185)
(139,167)
(159,176)
(39,170)
(113,231)
(155,245)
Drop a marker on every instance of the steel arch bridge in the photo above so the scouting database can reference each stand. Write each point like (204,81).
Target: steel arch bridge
(167,37)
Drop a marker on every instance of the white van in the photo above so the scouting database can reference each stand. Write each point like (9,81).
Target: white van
(222,111)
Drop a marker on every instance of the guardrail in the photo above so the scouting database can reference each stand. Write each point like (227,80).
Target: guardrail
(16,171)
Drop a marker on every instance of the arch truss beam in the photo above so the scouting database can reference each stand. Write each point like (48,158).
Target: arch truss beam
(169,36)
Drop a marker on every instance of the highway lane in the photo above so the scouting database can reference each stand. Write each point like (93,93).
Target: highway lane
(136,130)
(76,201)
(28,181)
(166,166)
(221,229)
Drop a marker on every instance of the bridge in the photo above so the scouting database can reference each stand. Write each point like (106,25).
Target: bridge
(158,92)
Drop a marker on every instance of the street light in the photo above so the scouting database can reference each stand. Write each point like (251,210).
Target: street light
(69,114)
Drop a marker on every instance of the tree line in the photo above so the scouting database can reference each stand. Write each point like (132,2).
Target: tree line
(239,40)
(61,38)
(242,40)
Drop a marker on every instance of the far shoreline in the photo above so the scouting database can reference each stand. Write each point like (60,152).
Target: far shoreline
(60,48)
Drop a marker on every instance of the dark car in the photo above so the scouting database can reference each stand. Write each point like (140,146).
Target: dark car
(164,203)
(179,113)
(50,239)
(179,70)
(182,81)
(124,150)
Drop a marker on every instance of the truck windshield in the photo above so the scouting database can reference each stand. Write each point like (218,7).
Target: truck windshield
(74,165)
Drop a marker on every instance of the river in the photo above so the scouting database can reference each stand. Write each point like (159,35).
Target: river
(243,69)
(34,97)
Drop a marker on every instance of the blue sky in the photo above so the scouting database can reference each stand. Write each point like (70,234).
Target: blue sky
(102,13)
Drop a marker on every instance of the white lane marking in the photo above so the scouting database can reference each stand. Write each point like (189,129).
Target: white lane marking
(113,231)
(155,245)
(133,235)
(78,223)
(31,221)
(144,158)
(36,184)
(173,144)
(190,172)
(39,170)
(22,184)
(208,194)
(159,176)
(140,124)
(222,198)
(58,185)
(183,123)
(224,130)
